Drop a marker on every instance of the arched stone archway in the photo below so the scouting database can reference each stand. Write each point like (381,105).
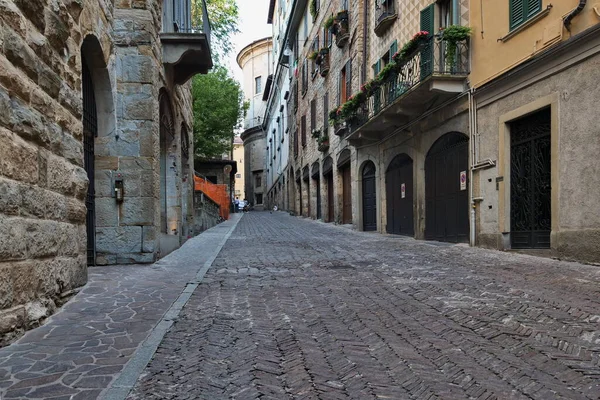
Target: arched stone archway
(446,194)
(169,181)
(98,119)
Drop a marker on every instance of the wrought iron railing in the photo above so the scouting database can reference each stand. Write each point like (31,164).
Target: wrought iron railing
(431,59)
(384,9)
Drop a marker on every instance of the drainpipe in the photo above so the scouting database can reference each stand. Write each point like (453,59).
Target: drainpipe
(472,135)
(455,12)
(573,14)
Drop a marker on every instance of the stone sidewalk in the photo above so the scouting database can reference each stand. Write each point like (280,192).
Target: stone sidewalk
(110,329)
(297,309)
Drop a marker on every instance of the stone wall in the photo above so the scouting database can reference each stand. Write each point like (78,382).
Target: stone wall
(43,184)
(206,213)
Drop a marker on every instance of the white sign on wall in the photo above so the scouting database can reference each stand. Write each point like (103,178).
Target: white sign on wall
(463,180)
(403,190)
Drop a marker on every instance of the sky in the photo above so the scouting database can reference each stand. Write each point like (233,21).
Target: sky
(253,26)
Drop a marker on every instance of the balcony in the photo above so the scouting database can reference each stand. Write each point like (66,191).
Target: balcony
(186,48)
(429,77)
(385,16)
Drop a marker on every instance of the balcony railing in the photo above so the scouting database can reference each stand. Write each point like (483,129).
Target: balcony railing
(385,15)
(431,62)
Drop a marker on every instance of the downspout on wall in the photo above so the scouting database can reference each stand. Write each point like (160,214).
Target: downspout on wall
(573,14)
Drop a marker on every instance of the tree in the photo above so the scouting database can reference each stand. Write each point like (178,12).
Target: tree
(219,108)
(224,19)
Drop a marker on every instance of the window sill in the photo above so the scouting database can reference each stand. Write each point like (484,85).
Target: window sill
(526,24)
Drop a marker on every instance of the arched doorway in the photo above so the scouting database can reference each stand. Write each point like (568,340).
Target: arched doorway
(187,188)
(343,165)
(316,176)
(369,195)
(446,194)
(328,175)
(169,196)
(90,132)
(306,180)
(399,196)
(98,119)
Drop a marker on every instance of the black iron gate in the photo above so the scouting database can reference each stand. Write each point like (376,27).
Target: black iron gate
(530,181)
(369,198)
(446,189)
(90,131)
(399,195)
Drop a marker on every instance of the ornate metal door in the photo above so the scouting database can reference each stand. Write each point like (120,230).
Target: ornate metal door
(399,195)
(530,182)
(446,199)
(90,131)
(369,198)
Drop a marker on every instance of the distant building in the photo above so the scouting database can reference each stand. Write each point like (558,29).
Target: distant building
(238,157)
(254,60)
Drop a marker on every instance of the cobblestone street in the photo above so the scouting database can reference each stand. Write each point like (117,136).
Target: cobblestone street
(296,309)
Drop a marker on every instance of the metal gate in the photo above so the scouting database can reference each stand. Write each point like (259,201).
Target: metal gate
(369,198)
(90,131)
(446,196)
(530,181)
(399,193)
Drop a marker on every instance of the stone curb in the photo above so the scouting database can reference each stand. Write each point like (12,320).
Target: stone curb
(121,387)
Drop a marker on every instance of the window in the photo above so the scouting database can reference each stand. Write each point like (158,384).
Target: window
(306,25)
(521,11)
(258,85)
(303,130)
(296,146)
(238,176)
(327,37)
(314,48)
(304,78)
(259,198)
(258,181)
(445,10)
(345,83)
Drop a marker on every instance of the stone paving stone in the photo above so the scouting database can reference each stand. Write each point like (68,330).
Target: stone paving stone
(83,348)
(298,309)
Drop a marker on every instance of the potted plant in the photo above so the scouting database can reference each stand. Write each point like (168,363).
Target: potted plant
(316,133)
(313,9)
(313,55)
(329,22)
(323,142)
(451,35)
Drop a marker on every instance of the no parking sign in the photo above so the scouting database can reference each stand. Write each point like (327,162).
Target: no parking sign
(463,180)
(403,190)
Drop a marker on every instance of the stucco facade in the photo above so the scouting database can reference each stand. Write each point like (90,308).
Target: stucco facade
(557,77)
(80,84)
(254,60)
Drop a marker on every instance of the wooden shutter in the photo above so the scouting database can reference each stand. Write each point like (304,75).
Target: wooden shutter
(516,10)
(303,130)
(377,68)
(313,114)
(533,7)
(349,78)
(393,49)
(325,112)
(427,24)
(427,15)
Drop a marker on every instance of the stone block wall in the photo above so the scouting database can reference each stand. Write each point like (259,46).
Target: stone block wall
(206,213)
(42,181)
(43,184)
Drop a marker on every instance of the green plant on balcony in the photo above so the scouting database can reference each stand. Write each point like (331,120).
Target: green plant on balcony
(410,47)
(333,117)
(315,133)
(313,55)
(328,24)
(313,9)
(452,35)
(323,142)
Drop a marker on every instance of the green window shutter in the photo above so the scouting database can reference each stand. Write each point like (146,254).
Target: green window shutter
(427,22)
(377,67)
(516,11)
(533,7)
(393,49)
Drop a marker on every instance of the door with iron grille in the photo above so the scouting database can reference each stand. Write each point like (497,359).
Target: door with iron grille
(399,196)
(369,198)
(446,195)
(530,181)
(90,131)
